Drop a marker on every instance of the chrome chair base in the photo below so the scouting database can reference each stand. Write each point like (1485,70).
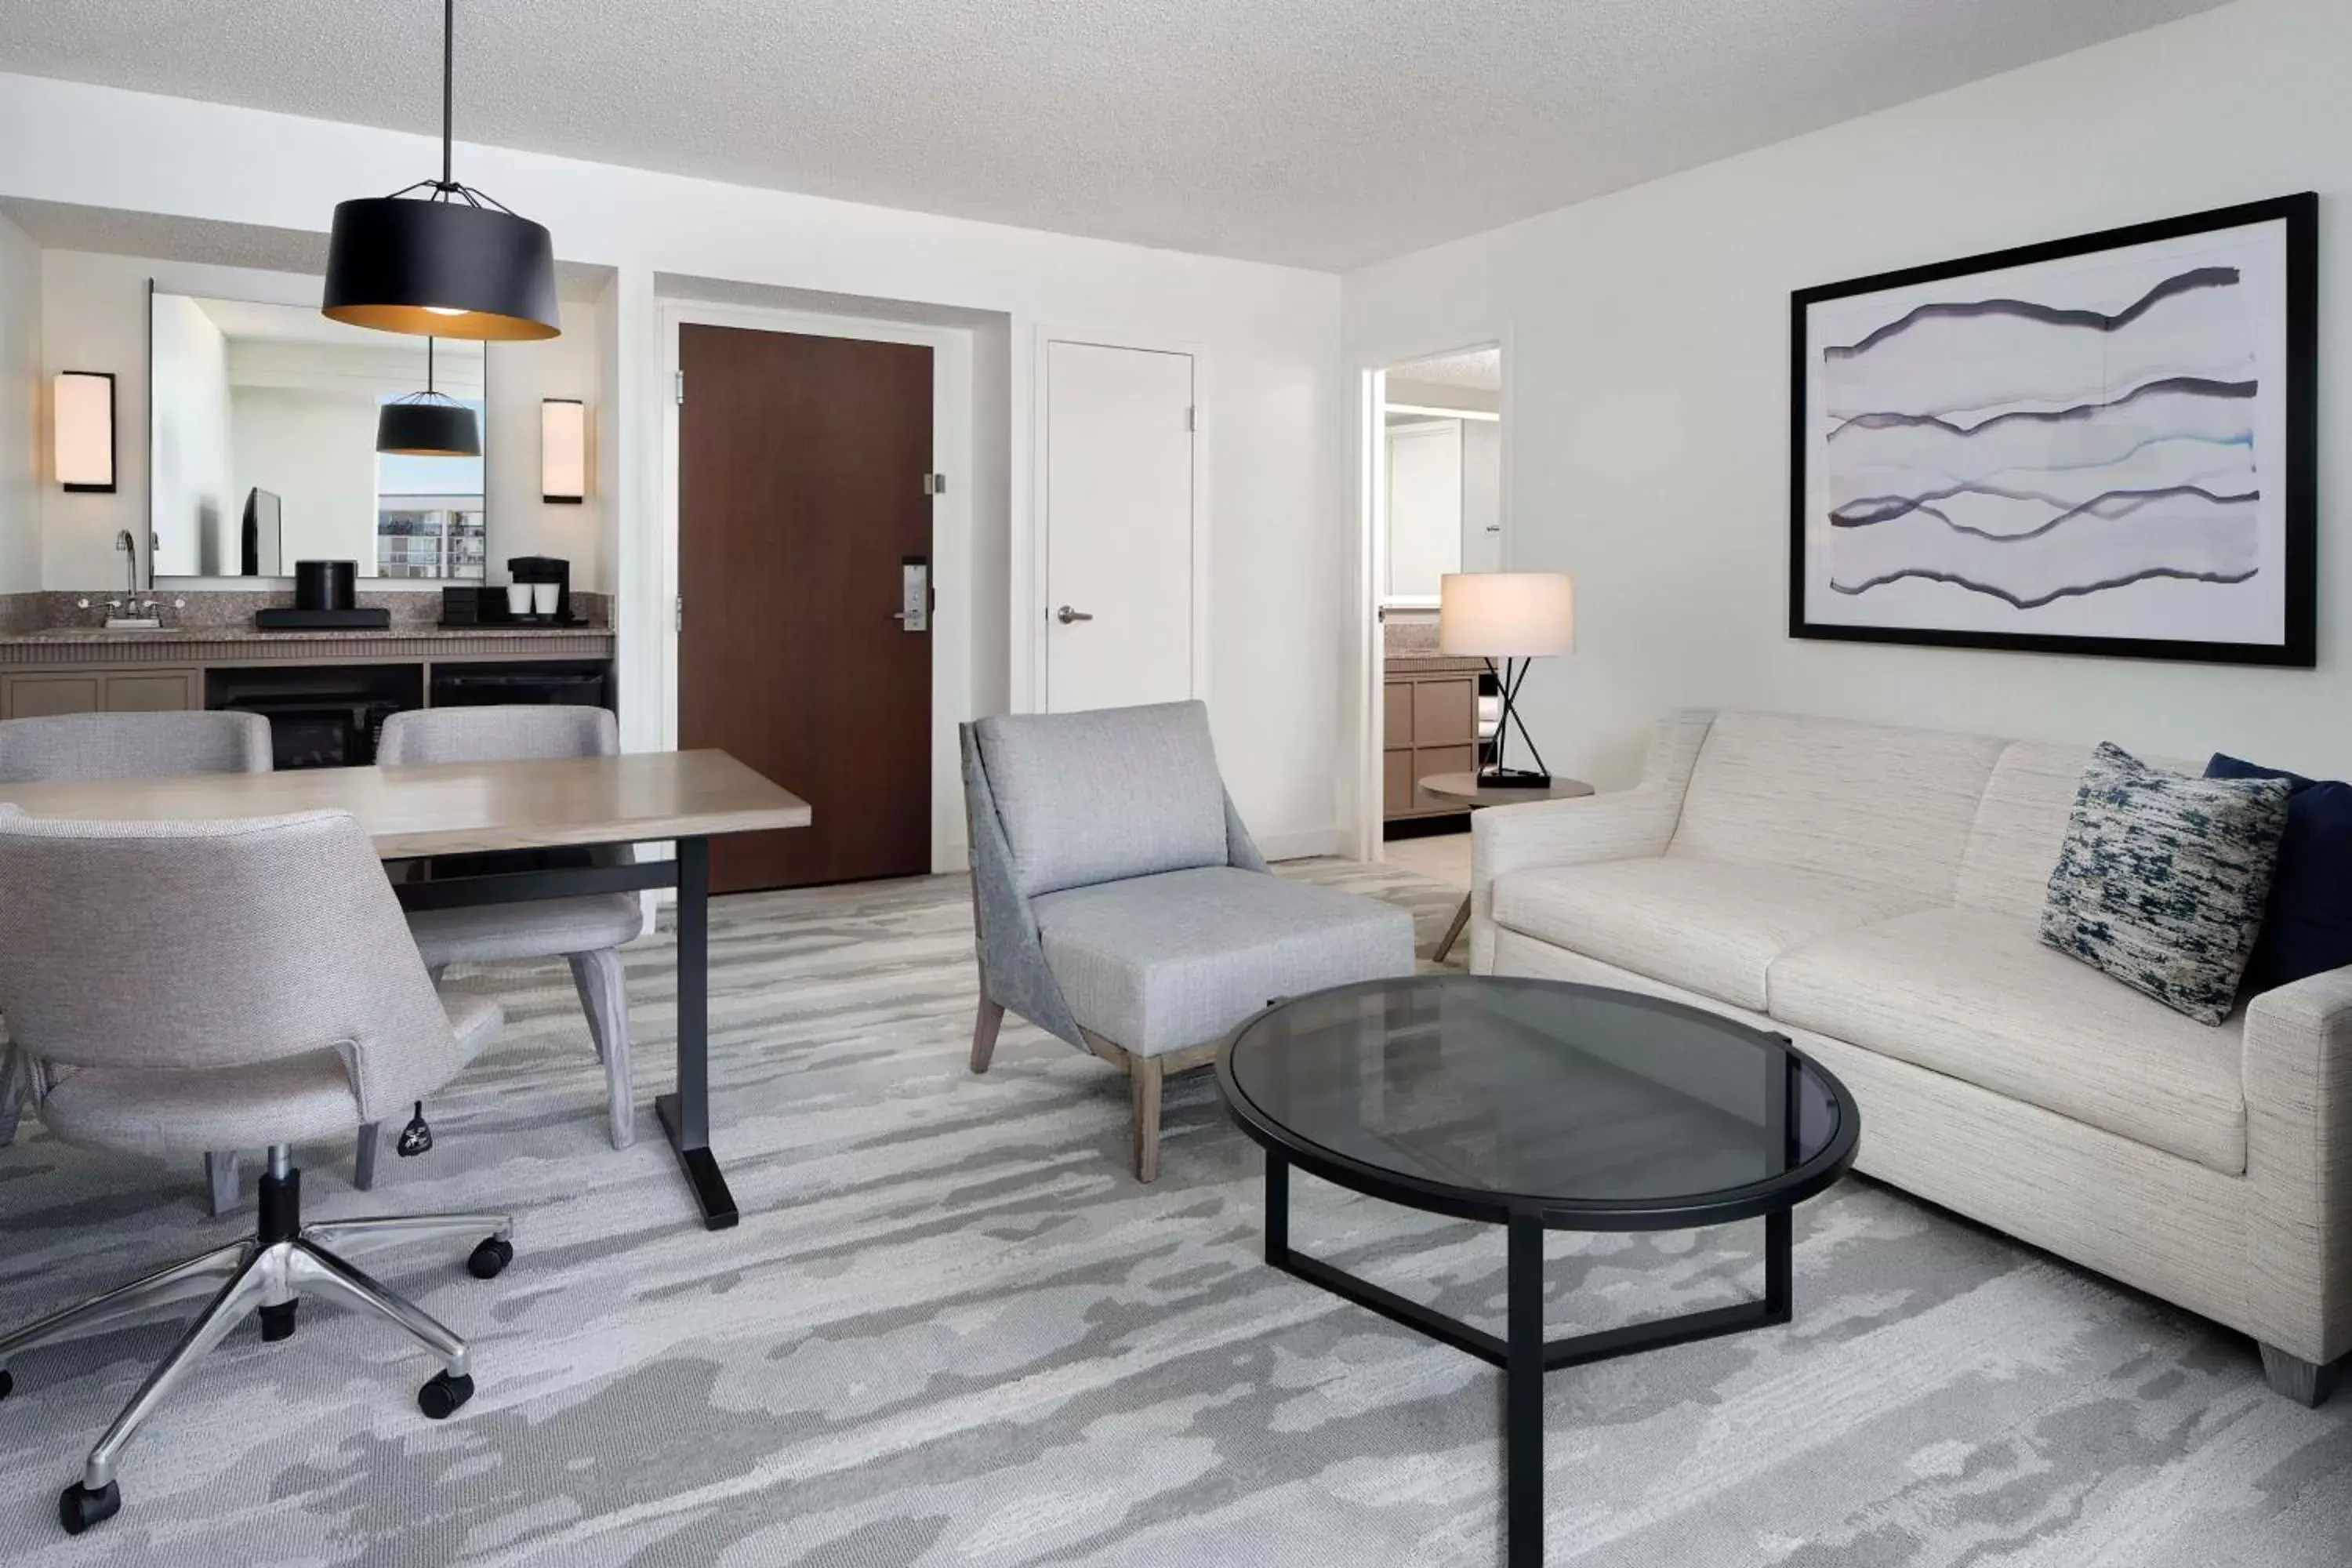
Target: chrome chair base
(267,1277)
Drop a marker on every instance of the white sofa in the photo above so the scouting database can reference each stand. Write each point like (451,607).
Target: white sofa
(1874,894)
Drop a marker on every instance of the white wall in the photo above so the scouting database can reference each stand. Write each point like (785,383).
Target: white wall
(1647,344)
(24,454)
(1272,422)
(189,462)
(316,449)
(522,375)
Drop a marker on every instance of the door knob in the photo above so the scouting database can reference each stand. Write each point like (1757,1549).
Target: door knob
(1066,614)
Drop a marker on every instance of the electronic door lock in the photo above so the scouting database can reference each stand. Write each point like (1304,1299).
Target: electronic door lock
(914,611)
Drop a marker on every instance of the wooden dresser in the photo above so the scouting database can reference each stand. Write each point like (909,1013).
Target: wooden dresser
(1430,726)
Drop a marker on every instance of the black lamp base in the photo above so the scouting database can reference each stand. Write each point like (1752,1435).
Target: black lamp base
(1513,778)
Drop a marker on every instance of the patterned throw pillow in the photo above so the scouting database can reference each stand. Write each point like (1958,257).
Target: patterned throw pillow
(2162,880)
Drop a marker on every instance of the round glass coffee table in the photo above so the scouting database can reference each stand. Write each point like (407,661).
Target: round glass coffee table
(1537,1105)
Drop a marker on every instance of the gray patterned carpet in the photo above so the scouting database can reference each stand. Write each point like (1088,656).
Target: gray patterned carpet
(953,1330)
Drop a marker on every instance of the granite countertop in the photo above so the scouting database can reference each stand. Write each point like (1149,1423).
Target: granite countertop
(99,636)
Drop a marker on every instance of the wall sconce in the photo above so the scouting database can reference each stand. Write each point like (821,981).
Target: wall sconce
(82,417)
(564,450)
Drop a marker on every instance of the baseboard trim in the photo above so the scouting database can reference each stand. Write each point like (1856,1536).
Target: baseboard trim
(1303,846)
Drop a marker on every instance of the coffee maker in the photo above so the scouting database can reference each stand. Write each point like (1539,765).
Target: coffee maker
(546,569)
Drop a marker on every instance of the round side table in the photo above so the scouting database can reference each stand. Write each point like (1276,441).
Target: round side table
(1465,787)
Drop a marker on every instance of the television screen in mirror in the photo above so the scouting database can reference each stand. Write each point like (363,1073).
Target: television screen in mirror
(262,447)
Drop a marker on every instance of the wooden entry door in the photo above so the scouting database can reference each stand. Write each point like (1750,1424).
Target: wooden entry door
(801,502)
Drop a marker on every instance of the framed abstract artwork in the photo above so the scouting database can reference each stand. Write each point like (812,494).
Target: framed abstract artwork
(2105,445)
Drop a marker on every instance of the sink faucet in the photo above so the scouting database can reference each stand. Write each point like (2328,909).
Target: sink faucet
(130,548)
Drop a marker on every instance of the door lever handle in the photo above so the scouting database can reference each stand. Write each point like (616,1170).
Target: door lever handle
(1066,614)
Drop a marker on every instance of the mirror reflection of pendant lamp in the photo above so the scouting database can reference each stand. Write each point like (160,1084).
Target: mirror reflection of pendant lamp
(427,423)
(1517,618)
(441,259)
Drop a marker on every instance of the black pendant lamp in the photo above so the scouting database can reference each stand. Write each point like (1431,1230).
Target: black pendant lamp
(438,259)
(427,423)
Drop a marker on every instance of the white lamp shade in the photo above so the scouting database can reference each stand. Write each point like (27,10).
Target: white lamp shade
(82,415)
(1505,614)
(562,449)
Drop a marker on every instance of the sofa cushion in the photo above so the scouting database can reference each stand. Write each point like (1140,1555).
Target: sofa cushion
(2162,879)
(1975,995)
(1868,803)
(1708,927)
(2018,826)
(1111,793)
(2307,929)
(1157,964)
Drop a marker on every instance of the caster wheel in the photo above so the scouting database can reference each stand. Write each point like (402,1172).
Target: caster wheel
(489,1259)
(278,1322)
(442,1397)
(78,1508)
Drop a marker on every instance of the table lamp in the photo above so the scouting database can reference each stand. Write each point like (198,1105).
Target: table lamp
(1517,617)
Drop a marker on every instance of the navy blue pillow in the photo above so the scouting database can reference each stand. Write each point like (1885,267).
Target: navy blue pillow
(2307,926)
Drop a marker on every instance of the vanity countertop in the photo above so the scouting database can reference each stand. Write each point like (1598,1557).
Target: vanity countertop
(235,644)
(103,637)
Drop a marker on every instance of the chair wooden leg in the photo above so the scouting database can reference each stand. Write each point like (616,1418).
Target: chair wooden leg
(1144,1074)
(984,1025)
(603,995)
(221,1180)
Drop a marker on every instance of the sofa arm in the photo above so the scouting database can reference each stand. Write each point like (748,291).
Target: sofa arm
(2298,1081)
(1623,824)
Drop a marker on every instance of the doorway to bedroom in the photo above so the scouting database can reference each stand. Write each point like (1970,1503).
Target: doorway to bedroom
(1436,507)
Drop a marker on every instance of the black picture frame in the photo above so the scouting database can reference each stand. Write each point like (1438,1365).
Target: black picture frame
(2298,648)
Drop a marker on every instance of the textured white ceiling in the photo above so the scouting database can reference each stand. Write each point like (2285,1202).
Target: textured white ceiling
(1323,132)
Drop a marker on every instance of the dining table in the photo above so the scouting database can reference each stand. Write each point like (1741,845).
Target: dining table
(442,812)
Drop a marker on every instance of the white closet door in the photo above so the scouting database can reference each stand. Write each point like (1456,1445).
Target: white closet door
(1119,526)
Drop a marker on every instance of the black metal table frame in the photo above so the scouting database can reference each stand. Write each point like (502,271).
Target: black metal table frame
(1521,1353)
(685,1113)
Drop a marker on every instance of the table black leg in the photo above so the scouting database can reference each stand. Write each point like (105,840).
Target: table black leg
(1523,1374)
(1277,1209)
(1780,1226)
(685,1115)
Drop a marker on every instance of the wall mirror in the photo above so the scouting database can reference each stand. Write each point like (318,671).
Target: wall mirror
(1442,427)
(262,447)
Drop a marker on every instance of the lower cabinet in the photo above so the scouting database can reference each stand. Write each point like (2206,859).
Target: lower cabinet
(1430,722)
(42,693)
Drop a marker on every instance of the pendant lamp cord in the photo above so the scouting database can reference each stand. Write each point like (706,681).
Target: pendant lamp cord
(448,89)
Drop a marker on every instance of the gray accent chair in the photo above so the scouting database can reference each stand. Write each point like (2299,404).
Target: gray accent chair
(587,931)
(123,746)
(277,1001)
(1121,906)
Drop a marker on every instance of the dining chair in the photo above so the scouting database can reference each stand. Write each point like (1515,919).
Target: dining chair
(277,1001)
(587,931)
(122,746)
(1121,904)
